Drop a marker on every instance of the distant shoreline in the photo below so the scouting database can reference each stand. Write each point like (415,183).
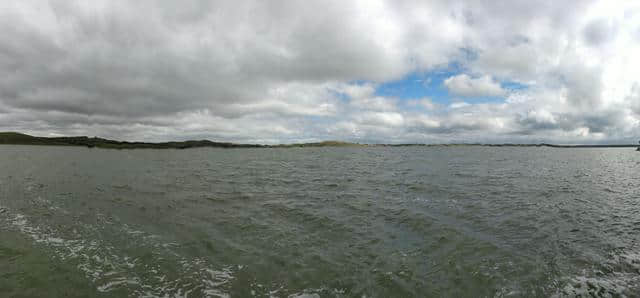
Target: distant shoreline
(14,138)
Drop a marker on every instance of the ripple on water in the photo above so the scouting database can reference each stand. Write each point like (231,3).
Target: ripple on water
(470,221)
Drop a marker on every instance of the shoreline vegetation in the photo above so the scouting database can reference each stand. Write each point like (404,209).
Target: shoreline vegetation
(14,138)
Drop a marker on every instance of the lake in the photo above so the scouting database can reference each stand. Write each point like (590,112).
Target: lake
(319,222)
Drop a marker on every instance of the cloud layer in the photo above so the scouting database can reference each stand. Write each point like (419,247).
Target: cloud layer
(286,71)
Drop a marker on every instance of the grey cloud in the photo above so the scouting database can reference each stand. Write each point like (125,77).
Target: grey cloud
(595,122)
(633,98)
(583,83)
(159,65)
(539,120)
(466,119)
(598,32)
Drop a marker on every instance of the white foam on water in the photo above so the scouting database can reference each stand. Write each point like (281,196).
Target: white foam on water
(611,286)
(115,283)
(623,281)
(304,295)
(110,270)
(312,293)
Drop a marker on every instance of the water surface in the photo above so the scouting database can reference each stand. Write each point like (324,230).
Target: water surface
(328,222)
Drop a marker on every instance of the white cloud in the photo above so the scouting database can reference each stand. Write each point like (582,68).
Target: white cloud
(385,119)
(424,102)
(465,85)
(458,105)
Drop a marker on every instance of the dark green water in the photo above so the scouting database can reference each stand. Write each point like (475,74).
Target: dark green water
(319,222)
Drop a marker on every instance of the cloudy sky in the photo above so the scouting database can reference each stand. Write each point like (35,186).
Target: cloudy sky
(289,71)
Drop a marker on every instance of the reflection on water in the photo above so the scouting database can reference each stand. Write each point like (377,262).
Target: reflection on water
(329,222)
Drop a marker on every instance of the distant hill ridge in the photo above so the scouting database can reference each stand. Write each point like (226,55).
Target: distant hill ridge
(15,138)
(23,139)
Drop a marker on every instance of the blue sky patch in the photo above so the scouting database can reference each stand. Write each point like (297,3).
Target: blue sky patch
(431,84)
(418,85)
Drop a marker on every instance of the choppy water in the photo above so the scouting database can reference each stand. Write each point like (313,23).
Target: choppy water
(319,222)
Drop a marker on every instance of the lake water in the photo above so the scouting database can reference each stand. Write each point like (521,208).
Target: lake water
(319,222)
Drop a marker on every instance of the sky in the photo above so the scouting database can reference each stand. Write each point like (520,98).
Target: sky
(296,71)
